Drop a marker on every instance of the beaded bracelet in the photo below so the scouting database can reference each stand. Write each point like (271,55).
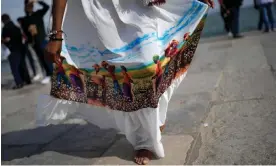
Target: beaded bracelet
(54,38)
(53,33)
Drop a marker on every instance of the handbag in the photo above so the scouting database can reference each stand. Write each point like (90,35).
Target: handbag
(5,52)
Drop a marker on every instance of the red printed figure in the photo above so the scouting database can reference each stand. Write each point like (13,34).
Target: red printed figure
(186,36)
(127,84)
(75,77)
(61,72)
(97,79)
(111,71)
(170,52)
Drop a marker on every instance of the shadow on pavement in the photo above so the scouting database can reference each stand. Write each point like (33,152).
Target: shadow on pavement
(7,85)
(84,141)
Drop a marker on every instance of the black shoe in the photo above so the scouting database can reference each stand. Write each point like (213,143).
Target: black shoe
(17,86)
(237,36)
(27,83)
(266,31)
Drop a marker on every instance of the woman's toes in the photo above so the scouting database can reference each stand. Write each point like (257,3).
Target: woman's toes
(145,161)
(140,161)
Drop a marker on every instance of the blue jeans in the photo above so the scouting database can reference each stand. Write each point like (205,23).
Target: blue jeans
(267,16)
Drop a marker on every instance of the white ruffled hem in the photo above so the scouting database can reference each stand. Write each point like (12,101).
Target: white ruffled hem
(141,128)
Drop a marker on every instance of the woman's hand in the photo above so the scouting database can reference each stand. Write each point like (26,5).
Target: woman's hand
(53,50)
(209,2)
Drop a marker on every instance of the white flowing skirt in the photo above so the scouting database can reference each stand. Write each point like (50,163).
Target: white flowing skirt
(94,26)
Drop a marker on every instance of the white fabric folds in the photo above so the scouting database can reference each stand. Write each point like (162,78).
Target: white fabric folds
(122,62)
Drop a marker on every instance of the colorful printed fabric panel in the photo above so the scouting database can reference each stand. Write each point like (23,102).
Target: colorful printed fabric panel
(123,89)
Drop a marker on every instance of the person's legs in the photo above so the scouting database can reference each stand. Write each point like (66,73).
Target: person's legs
(37,52)
(235,21)
(270,15)
(264,16)
(30,58)
(48,67)
(227,24)
(225,19)
(24,70)
(261,21)
(14,60)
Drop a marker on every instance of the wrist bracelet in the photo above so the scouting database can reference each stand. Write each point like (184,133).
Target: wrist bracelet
(55,32)
(54,38)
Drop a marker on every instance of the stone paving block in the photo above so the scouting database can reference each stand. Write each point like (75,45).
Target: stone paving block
(185,113)
(35,136)
(55,158)
(84,138)
(245,55)
(13,162)
(16,100)
(212,62)
(198,82)
(269,50)
(239,85)
(209,57)
(240,133)
(17,121)
(176,148)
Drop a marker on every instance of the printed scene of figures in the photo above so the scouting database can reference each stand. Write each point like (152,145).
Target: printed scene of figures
(119,88)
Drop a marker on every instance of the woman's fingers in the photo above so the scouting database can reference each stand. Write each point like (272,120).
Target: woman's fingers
(210,3)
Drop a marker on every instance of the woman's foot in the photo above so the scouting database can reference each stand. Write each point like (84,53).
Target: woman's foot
(162,128)
(143,157)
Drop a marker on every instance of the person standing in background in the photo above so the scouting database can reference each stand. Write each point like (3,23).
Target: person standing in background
(233,7)
(27,51)
(12,38)
(266,15)
(226,16)
(33,26)
(261,21)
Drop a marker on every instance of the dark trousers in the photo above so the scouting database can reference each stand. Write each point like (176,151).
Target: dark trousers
(30,58)
(261,21)
(235,12)
(18,67)
(226,19)
(266,16)
(48,67)
(24,70)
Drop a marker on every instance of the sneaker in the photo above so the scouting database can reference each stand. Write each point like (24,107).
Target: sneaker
(27,83)
(266,31)
(37,77)
(46,80)
(230,34)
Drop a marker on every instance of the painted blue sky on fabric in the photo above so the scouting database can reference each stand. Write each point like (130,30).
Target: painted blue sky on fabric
(187,18)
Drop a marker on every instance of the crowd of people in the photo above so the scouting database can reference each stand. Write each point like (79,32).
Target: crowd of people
(265,14)
(19,41)
(230,12)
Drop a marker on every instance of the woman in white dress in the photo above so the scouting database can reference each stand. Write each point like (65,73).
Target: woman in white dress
(119,36)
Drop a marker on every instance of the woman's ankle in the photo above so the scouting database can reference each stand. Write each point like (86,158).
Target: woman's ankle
(162,128)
